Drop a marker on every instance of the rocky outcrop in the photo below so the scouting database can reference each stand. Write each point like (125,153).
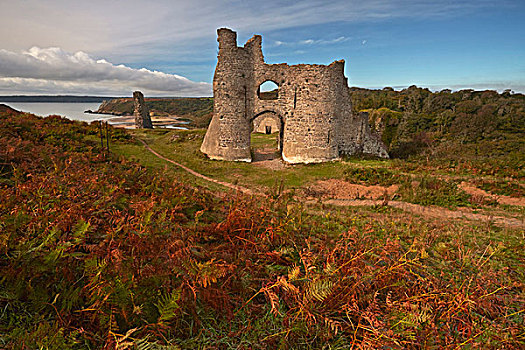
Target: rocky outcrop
(117,106)
(141,113)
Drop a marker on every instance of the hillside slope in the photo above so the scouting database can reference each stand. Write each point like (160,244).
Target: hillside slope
(6,110)
(446,125)
(97,251)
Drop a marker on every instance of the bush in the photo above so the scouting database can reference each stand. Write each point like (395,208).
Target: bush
(433,191)
(373,176)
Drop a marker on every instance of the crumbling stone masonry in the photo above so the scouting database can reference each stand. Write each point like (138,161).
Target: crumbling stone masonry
(141,113)
(311,107)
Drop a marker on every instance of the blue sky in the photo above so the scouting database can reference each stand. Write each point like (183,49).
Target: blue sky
(168,47)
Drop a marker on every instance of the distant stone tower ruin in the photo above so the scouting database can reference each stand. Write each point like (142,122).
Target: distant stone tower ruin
(311,107)
(141,113)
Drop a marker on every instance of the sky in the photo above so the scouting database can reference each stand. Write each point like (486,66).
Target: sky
(169,47)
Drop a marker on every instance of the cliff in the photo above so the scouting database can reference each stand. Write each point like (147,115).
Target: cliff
(6,110)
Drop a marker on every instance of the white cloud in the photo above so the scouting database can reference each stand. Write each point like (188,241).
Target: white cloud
(53,70)
(313,42)
(334,41)
(340,39)
(307,42)
(497,86)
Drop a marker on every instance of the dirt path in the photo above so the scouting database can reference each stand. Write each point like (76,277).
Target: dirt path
(501,199)
(430,211)
(340,189)
(194,173)
(268,158)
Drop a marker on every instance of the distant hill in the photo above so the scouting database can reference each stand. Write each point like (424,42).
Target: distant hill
(56,99)
(8,110)
(446,124)
(196,109)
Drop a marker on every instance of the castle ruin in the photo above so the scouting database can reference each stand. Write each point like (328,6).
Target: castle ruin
(311,107)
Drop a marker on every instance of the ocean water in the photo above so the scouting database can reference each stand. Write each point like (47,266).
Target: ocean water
(73,111)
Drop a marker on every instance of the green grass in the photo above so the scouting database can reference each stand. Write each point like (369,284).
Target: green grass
(374,176)
(135,151)
(502,187)
(183,147)
(259,140)
(419,181)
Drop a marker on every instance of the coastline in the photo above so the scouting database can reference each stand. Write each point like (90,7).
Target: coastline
(169,122)
(89,111)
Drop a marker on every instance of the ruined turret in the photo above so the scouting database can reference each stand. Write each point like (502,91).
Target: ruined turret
(141,113)
(311,107)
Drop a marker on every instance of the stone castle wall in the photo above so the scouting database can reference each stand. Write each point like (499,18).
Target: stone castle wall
(312,107)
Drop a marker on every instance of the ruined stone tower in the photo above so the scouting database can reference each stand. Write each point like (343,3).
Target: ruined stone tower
(141,113)
(311,107)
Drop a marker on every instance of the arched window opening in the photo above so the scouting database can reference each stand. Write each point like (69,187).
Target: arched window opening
(268,90)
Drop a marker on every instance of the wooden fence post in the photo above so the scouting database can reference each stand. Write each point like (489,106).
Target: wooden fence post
(107,137)
(100,133)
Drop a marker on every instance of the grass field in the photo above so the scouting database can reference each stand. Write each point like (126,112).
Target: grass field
(435,184)
(184,148)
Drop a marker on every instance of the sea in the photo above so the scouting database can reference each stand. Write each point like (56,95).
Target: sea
(73,111)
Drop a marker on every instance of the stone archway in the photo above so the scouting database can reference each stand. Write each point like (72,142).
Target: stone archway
(261,123)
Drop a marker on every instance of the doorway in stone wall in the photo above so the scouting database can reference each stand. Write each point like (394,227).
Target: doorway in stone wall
(266,136)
